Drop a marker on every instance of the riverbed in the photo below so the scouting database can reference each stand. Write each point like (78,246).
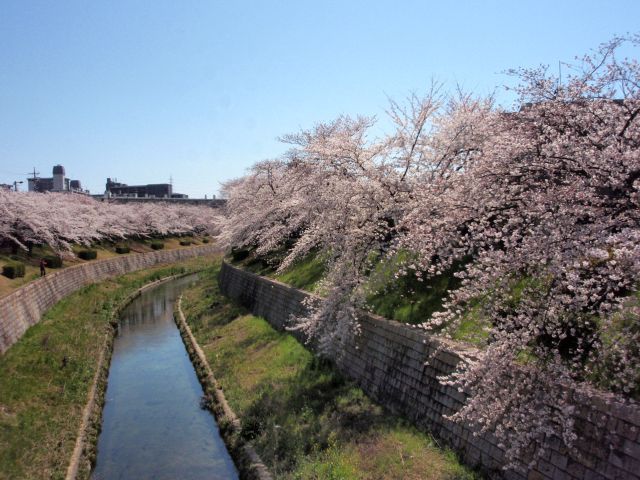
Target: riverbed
(153,425)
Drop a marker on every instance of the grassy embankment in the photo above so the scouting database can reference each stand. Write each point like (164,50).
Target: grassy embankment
(104,249)
(305,420)
(404,299)
(46,375)
(407,300)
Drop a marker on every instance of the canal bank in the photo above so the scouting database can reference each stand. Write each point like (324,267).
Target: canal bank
(85,450)
(305,420)
(154,425)
(46,376)
(244,454)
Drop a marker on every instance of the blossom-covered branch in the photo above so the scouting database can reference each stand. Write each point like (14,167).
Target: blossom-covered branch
(60,220)
(537,210)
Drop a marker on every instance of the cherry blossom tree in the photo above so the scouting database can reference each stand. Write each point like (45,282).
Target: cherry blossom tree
(548,210)
(539,205)
(338,191)
(61,220)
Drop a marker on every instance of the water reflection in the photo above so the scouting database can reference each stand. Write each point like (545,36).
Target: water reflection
(153,426)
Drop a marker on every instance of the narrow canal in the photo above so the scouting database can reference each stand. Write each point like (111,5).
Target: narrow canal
(153,426)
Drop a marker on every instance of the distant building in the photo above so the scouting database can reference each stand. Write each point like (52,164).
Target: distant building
(215,203)
(115,189)
(6,187)
(58,183)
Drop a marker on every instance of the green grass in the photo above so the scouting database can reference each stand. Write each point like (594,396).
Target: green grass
(46,375)
(409,301)
(473,327)
(305,273)
(306,421)
(105,249)
(404,299)
(250,262)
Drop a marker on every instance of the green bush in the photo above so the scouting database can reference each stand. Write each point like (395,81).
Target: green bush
(122,249)
(205,240)
(157,245)
(88,254)
(53,261)
(239,254)
(13,270)
(186,243)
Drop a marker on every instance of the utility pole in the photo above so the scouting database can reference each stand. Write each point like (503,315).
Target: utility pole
(559,74)
(560,64)
(35,179)
(34,173)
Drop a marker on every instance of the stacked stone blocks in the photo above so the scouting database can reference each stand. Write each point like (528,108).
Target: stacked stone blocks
(388,360)
(24,307)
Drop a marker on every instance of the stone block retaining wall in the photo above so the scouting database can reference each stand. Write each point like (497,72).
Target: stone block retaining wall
(388,362)
(24,307)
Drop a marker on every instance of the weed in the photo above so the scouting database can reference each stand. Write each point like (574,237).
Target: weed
(45,376)
(305,420)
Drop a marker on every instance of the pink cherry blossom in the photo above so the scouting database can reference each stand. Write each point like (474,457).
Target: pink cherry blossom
(540,204)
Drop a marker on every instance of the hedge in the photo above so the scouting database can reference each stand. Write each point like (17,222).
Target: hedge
(88,254)
(13,270)
(53,261)
(122,249)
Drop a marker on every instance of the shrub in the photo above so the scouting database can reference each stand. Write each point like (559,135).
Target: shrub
(186,243)
(88,254)
(157,245)
(239,254)
(13,270)
(53,261)
(122,249)
(205,240)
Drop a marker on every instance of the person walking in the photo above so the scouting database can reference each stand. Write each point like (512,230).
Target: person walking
(43,270)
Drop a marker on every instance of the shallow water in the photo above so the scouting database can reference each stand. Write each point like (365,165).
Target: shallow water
(153,426)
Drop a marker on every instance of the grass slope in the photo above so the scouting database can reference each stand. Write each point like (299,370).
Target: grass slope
(404,299)
(45,376)
(104,249)
(306,421)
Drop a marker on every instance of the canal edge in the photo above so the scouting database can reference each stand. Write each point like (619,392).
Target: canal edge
(247,460)
(87,438)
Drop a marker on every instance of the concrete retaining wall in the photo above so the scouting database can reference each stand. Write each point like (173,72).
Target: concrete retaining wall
(387,361)
(24,307)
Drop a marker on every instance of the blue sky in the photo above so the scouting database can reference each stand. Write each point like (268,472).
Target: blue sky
(200,90)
